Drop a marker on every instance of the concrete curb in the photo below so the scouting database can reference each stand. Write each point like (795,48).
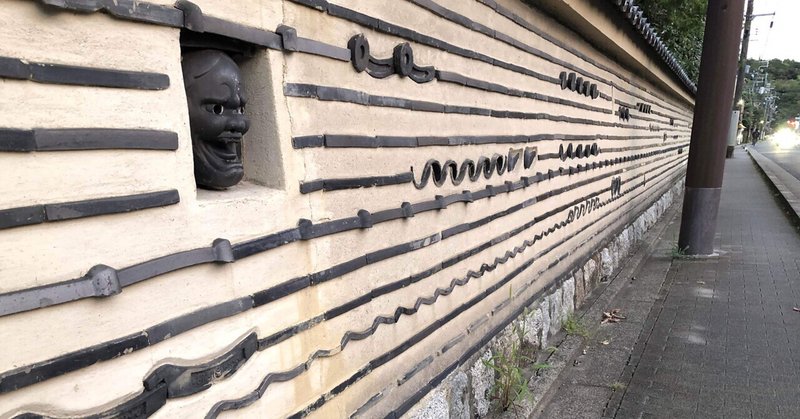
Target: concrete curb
(784,182)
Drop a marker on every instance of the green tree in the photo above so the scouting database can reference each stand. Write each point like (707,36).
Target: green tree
(681,24)
(784,77)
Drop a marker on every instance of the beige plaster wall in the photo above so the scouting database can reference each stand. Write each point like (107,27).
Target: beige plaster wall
(269,201)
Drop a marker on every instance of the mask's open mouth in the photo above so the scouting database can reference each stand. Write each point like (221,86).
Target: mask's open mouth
(226,147)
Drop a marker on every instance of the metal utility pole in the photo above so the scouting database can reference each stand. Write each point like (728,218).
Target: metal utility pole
(710,127)
(748,19)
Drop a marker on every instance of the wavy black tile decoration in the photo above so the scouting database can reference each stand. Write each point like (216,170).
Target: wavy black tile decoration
(471,351)
(485,166)
(508,14)
(577,84)
(519,291)
(404,407)
(171,381)
(339,94)
(401,62)
(47,139)
(30,374)
(36,214)
(386,357)
(579,151)
(616,186)
(182,381)
(185,380)
(363,141)
(624,113)
(13,68)
(390,287)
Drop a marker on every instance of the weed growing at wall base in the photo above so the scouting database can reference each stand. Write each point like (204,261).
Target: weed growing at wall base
(574,327)
(677,252)
(511,385)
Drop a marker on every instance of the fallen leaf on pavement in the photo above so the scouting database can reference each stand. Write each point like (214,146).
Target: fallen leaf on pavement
(605,342)
(612,316)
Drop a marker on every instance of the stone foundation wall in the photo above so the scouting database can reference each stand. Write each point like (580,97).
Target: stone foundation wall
(465,392)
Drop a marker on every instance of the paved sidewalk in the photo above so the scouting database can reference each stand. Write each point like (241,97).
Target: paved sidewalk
(703,338)
(723,340)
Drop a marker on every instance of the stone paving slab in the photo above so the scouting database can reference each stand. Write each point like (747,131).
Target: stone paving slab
(706,338)
(724,341)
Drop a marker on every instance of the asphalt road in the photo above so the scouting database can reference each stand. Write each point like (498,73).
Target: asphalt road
(788,159)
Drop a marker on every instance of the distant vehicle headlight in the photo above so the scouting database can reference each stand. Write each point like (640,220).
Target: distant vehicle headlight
(786,138)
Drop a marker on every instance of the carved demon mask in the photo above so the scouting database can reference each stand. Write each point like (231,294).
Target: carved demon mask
(216,115)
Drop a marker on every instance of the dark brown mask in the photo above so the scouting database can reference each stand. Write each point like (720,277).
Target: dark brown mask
(216,115)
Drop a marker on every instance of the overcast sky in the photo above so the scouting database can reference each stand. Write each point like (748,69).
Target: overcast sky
(783,40)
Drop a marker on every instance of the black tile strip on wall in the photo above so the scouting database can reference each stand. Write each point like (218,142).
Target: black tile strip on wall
(282,376)
(124,9)
(31,374)
(285,40)
(470,24)
(386,27)
(399,31)
(470,352)
(435,382)
(335,184)
(12,68)
(360,141)
(104,281)
(386,357)
(508,14)
(339,94)
(36,214)
(188,15)
(354,182)
(294,285)
(170,375)
(455,78)
(41,139)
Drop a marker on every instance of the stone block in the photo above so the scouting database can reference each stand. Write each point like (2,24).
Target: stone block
(482,380)
(580,288)
(458,395)
(590,274)
(433,406)
(568,296)
(606,263)
(541,322)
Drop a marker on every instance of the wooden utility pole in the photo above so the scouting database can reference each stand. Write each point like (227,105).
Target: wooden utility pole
(737,96)
(710,127)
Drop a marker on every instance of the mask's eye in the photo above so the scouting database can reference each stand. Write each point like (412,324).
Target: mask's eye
(217,109)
